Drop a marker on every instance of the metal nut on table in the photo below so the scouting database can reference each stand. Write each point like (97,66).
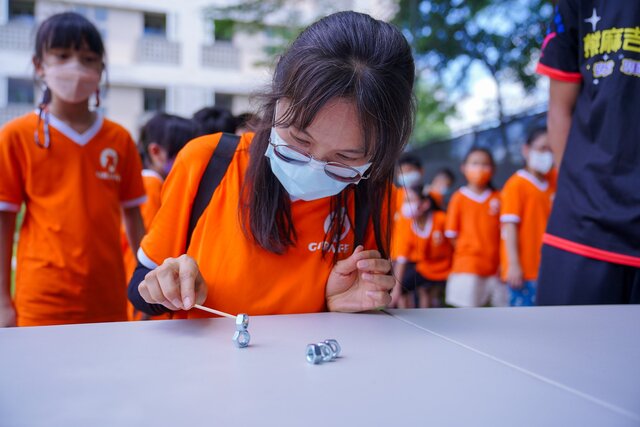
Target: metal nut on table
(242,322)
(335,347)
(314,354)
(241,338)
(319,353)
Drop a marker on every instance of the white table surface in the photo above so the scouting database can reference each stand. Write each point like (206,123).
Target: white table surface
(168,373)
(593,351)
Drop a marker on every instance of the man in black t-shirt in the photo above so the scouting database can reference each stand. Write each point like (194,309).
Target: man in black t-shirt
(591,252)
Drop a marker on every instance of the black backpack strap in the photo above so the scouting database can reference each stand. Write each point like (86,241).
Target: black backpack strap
(362,215)
(213,174)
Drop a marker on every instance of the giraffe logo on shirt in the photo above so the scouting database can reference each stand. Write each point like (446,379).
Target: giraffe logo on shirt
(109,162)
(336,246)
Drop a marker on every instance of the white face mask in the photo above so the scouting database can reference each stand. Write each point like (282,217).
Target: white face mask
(541,162)
(71,82)
(410,179)
(306,182)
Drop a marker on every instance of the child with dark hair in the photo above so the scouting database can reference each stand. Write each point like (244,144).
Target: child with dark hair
(76,172)
(215,119)
(161,138)
(526,204)
(421,237)
(441,186)
(473,225)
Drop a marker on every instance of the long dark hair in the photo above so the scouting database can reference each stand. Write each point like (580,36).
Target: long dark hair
(354,57)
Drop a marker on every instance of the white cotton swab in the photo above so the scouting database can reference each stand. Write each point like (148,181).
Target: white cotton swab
(211,310)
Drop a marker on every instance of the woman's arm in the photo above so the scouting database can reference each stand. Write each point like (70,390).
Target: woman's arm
(175,285)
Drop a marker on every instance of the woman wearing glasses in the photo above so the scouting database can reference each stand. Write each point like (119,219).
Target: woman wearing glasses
(279,233)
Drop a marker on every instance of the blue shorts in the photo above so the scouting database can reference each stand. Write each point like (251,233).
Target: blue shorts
(525,296)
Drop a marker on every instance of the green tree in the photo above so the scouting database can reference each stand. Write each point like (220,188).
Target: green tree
(503,36)
(432,112)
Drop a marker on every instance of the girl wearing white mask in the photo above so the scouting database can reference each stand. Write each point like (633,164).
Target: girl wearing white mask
(526,204)
(75,172)
(279,233)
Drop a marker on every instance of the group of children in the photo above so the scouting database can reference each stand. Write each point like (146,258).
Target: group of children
(486,248)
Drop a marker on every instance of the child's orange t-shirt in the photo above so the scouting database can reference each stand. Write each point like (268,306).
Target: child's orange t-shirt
(526,201)
(474,221)
(241,276)
(69,262)
(428,244)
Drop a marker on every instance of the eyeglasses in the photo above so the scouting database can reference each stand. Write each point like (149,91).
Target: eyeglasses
(336,170)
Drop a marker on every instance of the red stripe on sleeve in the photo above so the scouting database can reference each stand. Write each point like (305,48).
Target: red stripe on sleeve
(558,74)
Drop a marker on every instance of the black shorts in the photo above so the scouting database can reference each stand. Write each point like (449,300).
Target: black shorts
(569,279)
(413,280)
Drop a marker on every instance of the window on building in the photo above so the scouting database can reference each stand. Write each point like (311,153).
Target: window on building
(20,91)
(155,99)
(223,30)
(223,100)
(22,11)
(155,24)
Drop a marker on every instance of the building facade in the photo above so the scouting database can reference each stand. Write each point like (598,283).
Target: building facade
(162,55)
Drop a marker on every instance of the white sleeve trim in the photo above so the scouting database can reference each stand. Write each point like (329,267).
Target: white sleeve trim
(133,203)
(511,218)
(145,260)
(9,207)
(402,260)
(451,234)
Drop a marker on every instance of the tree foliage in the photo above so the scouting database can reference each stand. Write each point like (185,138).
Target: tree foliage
(504,36)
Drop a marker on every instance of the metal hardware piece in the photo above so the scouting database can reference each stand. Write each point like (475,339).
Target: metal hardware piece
(241,337)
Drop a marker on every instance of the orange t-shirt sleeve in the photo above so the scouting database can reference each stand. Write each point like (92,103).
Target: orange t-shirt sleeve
(11,173)
(452,227)
(511,202)
(132,189)
(167,236)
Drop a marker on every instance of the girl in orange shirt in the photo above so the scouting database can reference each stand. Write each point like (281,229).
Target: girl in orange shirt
(75,171)
(423,235)
(278,233)
(473,225)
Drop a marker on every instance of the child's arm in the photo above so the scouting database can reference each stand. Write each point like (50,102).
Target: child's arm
(452,223)
(134,227)
(514,269)
(7,228)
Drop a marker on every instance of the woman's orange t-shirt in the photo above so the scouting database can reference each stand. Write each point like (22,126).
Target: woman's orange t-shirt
(241,276)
